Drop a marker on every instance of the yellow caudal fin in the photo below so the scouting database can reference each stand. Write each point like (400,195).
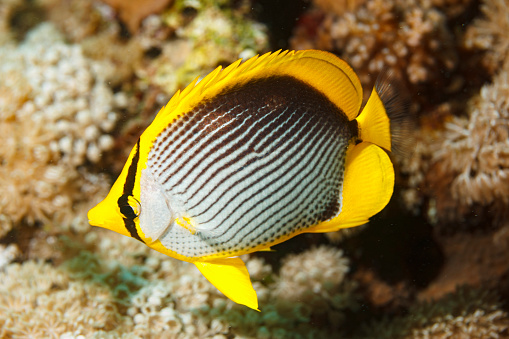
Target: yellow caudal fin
(374,123)
(367,187)
(230,276)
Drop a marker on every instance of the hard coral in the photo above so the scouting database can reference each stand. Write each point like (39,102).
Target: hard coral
(489,33)
(57,111)
(474,152)
(410,37)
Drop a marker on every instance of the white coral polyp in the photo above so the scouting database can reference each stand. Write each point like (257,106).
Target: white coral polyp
(71,97)
(57,111)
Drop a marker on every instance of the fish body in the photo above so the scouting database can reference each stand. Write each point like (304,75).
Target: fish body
(249,157)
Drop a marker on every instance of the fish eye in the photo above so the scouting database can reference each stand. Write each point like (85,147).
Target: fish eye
(129,206)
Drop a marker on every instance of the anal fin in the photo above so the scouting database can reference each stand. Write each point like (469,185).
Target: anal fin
(367,187)
(230,276)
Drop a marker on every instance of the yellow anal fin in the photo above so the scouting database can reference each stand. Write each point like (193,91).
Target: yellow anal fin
(367,187)
(230,276)
(374,123)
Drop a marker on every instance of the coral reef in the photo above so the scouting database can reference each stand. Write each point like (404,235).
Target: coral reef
(146,294)
(475,151)
(478,325)
(76,91)
(304,273)
(467,313)
(489,33)
(7,9)
(411,38)
(206,34)
(132,12)
(76,19)
(57,113)
(40,301)
(467,162)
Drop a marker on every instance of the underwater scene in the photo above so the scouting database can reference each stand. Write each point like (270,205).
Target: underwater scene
(390,222)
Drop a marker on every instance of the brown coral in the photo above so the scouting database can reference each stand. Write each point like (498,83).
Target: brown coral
(472,157)
(489,33)
(409,37)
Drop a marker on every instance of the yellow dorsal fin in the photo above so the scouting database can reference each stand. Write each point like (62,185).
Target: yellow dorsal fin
(322,70)
(374,123)
(230,276)
(367,187)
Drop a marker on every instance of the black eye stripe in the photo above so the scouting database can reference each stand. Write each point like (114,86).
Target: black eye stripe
(125,208)
(128,212)
(123,203)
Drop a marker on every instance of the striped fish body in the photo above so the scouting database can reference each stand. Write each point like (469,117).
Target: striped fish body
(251,156)
(257,163)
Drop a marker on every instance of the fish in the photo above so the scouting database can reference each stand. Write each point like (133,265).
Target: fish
(250,156)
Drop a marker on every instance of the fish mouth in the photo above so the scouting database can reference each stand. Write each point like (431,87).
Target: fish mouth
(94,218)
(105,215)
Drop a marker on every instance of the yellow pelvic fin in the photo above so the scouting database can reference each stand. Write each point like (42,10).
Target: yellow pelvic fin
(230,276)
(367,187)
(187,224)
(374,123)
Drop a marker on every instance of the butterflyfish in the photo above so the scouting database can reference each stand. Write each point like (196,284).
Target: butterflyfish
(251,156)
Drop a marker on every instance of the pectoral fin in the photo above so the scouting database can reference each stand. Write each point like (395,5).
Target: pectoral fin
(230,276)
(367,187)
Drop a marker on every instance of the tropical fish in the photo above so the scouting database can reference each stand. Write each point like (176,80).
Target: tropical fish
(251,156)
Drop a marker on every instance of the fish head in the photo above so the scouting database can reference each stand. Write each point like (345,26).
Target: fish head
(121,206)
(136,205)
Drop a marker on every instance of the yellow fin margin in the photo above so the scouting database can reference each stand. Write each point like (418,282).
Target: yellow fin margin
(367,187)
(322,70)
(230,276)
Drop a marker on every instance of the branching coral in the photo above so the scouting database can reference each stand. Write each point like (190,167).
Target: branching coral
(409,37)
(489,33)
(56,114)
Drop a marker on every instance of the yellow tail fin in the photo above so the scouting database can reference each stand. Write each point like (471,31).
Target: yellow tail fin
(374,123)
(367,187)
